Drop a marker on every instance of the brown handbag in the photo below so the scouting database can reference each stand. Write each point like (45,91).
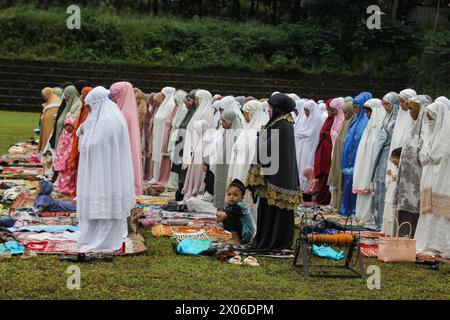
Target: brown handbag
(397,249)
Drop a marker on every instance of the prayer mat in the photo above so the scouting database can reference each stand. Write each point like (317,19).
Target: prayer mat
(369,250)
(134,244)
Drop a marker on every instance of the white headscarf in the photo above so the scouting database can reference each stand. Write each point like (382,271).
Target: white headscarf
(159,122)
(204,110)
(443,100)
(365,156)
(294,96)
(105,184)
(323,109)
(179,116)
(229,102)
(407,94)
(301,112)
(435,147)
(434,221)
(244,150)
(217,105)
(307,133)
(258,117)
(219,152)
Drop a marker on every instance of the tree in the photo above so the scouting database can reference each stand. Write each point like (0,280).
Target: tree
(236,9)
(296,11)
(274,11)
(155,7)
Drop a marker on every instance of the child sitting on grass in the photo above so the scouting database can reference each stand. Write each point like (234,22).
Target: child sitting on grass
(45,202)
(236,218)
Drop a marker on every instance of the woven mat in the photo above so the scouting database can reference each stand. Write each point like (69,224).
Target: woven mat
(134,244)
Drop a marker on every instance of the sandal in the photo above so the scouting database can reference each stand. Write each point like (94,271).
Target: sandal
(235,260)
(251,261)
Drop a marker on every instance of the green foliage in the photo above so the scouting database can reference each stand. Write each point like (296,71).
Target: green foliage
(313,47)
(430,71)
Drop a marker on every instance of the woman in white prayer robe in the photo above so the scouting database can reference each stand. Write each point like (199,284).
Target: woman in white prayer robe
(433,228)
(105,183)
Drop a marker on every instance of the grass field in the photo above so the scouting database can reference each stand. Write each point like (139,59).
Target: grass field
(160,274)
(15,127)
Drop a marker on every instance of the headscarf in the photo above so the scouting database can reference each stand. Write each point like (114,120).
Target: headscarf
(217,105)
(194,182)
(354,134)
(434,156)
(204,110)
(348,106)
(407,94)
(105,184)
(50,96)
(323,109)
(244,149)
(443,100)
(435,146)
(307,136)
(301,117)
(58,91)
(294,96)
(338,104)
(84,113)
(72,103)
(229,102)
(240,100)
(123,95)
(258,117)
(164,110)
(142,105)
(366,156)
(179,116)
(410,170)
(281,104)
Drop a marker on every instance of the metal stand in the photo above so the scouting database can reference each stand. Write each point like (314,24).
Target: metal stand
(353,260)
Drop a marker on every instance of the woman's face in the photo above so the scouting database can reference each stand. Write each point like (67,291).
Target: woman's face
(69,128)
(356,109)
(307,112)
(414,110)
(347,115)
(331,111)
(431,120)
(197,102)
(368,112)
(270,111)
(387,106)
(395,160)
(403,104)
(247,116)
(225,124)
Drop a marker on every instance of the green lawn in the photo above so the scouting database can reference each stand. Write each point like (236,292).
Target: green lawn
(161,274)
(15,127)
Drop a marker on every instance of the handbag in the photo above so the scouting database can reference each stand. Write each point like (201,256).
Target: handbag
(397,249)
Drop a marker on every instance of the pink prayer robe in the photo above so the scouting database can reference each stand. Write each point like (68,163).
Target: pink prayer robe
(67,177)
(123,95)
